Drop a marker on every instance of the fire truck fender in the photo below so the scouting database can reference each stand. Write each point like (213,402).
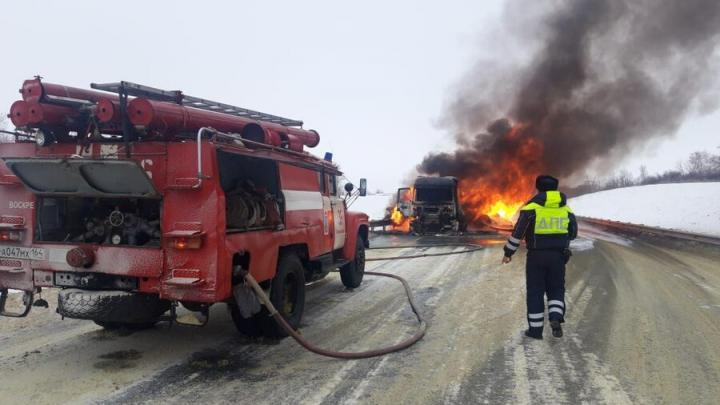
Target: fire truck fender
(357,227)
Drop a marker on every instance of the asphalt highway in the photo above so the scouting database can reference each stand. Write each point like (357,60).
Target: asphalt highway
(643,326)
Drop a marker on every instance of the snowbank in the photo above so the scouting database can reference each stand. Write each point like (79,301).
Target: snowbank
(690,207)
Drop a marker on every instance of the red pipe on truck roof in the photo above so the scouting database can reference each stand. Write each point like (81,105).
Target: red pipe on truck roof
(108,110)
(36,90)
(19,113)
(157,118)
(169,119)
(50,114)
(32,113)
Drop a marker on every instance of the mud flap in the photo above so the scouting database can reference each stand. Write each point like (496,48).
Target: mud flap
(27,302)
(246,301)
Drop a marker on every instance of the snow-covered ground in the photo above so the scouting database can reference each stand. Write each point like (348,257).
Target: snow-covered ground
(373,205)
(690,207)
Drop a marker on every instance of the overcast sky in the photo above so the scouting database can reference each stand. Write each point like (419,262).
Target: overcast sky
(372,77)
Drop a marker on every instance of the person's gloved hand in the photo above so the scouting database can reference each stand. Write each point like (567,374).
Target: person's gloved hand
(506,259)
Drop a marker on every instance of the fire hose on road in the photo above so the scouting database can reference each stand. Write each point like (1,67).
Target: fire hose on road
(419,334)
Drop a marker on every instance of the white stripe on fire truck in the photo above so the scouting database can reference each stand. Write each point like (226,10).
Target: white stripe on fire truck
(296,200)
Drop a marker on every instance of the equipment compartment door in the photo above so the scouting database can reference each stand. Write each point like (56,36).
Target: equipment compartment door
(338,213)
(83,177)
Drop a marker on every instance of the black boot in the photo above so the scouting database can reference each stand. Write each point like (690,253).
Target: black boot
(556,329)
(533,335)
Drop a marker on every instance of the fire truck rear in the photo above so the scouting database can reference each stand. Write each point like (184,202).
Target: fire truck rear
(134,200)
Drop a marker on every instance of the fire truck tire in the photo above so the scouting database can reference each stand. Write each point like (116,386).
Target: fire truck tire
(352,273)
(287,294)
(112,307)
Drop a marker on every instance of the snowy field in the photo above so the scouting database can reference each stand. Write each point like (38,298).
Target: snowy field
(373,205)
(689,207)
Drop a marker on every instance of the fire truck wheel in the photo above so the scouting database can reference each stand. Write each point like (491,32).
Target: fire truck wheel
(287,294)
(352,273)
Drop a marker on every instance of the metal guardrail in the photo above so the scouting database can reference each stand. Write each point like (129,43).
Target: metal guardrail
(652,230)
(379,223)
(624,226)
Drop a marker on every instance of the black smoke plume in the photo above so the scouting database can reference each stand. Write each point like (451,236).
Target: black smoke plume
(605,77)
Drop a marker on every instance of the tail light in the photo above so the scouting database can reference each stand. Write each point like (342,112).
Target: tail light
(10,236)
(185,235)
(80,257)
(187,243)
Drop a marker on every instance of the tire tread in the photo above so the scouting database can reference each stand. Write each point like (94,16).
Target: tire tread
(111,306)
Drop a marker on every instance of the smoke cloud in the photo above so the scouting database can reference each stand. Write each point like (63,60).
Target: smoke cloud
(606,76)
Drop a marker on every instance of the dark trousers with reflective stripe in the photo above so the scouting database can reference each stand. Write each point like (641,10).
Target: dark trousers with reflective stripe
(545,274)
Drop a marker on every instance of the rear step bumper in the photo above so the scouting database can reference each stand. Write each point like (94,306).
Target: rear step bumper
(27,300)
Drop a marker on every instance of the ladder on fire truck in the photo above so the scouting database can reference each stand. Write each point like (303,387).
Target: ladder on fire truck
(125,89)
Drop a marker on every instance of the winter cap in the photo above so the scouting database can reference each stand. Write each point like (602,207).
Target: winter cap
(546,182)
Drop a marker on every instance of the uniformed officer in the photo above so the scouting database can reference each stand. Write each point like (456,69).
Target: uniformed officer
(548,225)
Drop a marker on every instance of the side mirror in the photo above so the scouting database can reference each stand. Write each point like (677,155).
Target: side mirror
(363,187)
(349,187)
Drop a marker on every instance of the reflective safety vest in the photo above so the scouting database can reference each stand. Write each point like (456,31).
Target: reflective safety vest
(551,218)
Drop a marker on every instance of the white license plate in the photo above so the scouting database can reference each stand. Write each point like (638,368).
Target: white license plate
(31,253)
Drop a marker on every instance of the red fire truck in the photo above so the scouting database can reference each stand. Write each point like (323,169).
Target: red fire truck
(134,200)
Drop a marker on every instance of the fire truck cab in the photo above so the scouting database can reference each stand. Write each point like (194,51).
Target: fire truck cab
(132,200)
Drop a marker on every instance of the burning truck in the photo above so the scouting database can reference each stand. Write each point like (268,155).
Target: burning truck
(431,205)
(133,200)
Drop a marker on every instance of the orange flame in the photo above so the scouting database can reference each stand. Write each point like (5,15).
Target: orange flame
(503,210)
(399,221)
(495,197)
(397,217)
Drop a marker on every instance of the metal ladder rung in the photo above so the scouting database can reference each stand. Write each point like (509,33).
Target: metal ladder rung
(176,96)
(238,111)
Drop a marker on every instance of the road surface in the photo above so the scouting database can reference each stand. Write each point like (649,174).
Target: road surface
(643,326)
